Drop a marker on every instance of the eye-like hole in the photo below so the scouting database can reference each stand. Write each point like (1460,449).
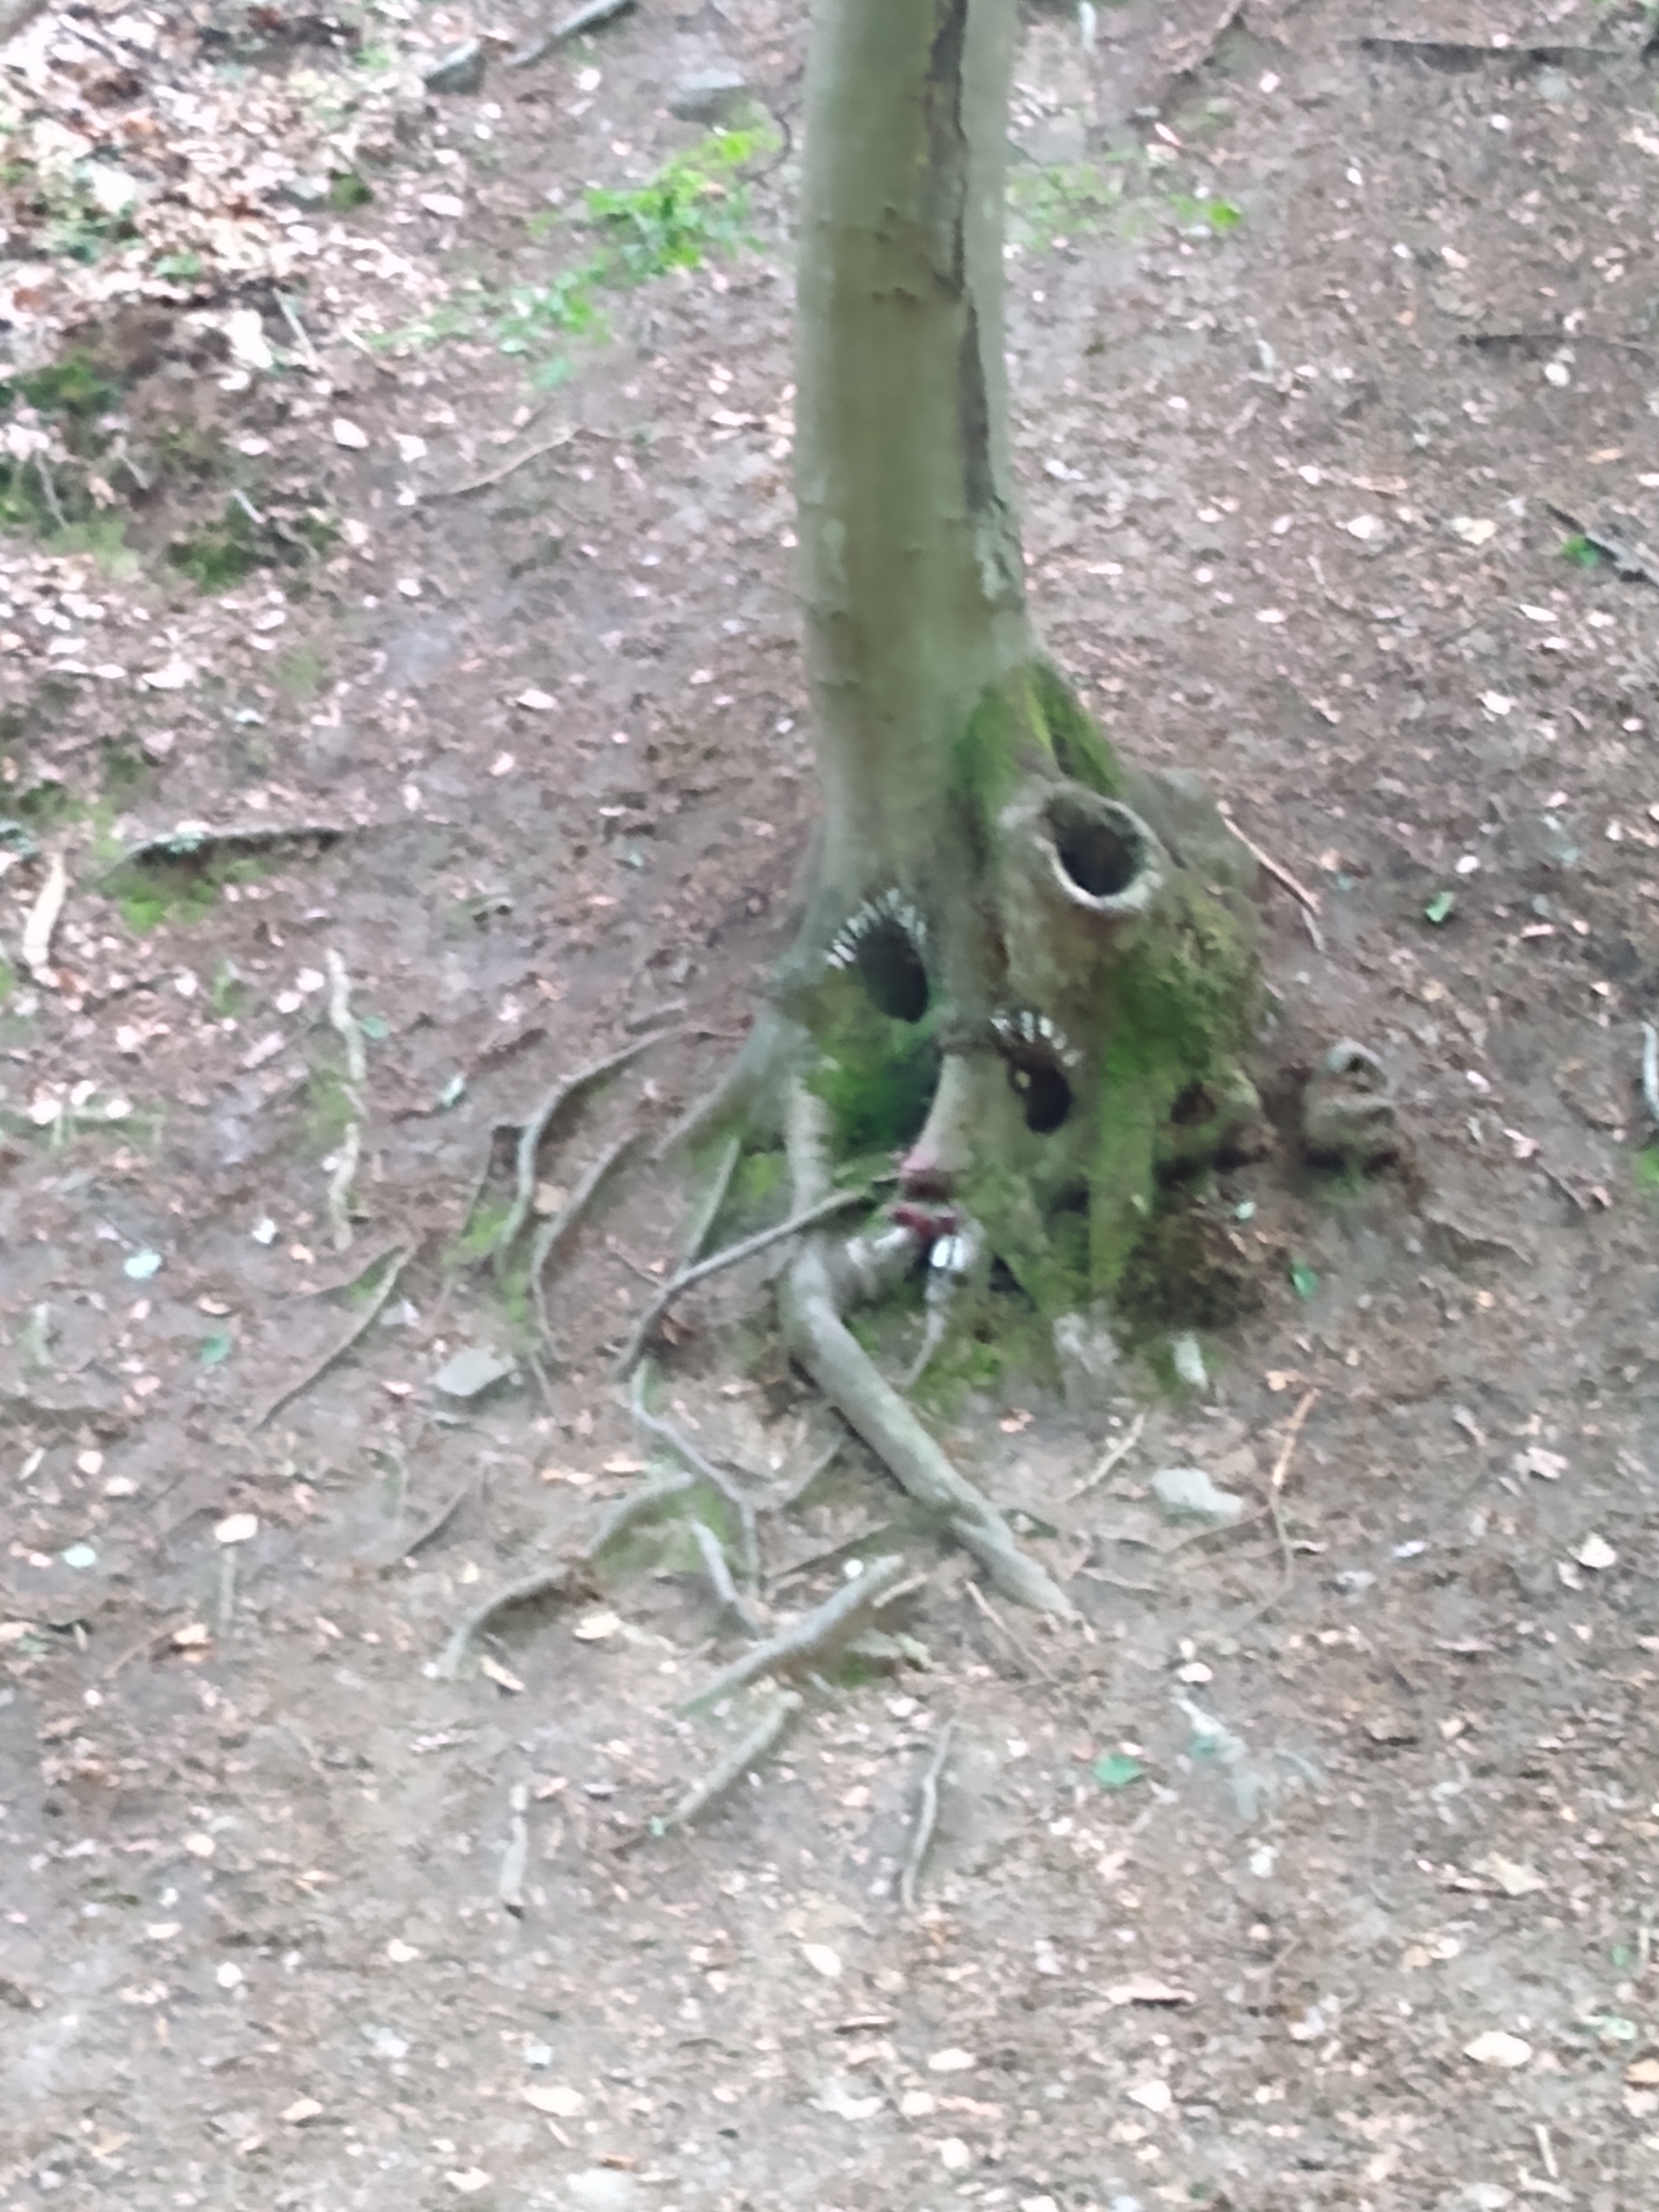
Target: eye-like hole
(1040,1059)
(884,940)
(1099,849)
(1194,1104)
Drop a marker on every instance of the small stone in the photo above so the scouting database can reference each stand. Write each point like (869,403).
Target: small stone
(1089,1360)
(472,1372)
(709,95)
(1188,1491)
(461,69)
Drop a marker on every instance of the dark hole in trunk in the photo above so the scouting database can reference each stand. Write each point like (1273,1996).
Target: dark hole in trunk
(1101,858)
(1044,1091)
(893,973)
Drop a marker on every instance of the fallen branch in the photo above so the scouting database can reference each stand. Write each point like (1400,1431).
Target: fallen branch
(587,18)
(546,1582)
(748,1754)
(42,920)
(551,444)
(1275,1484)
(359,1327)
(811,1639)
(1308,900)
(806,1217)
(719,1576)
(849,1379)
(655,1424)
(927,1819)
(1114,1453)
(349,1031)
(250,837)
(532,1132)
(552,1233)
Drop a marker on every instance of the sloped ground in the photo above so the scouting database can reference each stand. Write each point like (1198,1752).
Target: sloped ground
(1331,1891)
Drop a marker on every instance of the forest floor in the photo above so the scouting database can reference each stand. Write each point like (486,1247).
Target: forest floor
(1317,1874)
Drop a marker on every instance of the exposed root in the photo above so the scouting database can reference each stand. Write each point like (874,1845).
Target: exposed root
(726,1590)
(638,1506)
(553,1232)
(350,1149)
(868,1403)
(761,1739)
(359,1327)
(921,1834)
(771,1047)
(713,1198)
(532,1131)
(429,1531)
(814,1638)
(547,1582)
(1022,1652)
(835,1202)
(785,1499)
(736,1496)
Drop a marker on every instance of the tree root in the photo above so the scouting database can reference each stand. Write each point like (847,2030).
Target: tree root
(731,1598)
(553,1232)
(814,1638)
(532,1131)
(805,1218)
(851,1382)
(1113,1454)
(921,1835)
(735,1495)
(712,1198)
(399,1260)
(748,1753)
(770,1049)
(349,1031)
(547,1582)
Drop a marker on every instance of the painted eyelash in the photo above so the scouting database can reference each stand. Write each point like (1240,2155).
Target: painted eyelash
(887,907)
(1023,1028)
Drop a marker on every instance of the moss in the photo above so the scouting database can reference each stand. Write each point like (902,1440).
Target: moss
(1002,741)
(877,1075)
(1080,751)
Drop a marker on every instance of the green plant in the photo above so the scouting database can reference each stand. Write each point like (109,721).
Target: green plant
(1578,550)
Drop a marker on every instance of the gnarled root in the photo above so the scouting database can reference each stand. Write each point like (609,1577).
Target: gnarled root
(850,1380)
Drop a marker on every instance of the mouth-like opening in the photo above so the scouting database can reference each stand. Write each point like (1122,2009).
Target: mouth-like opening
(1041,1060)
(885,941)
(1101,847)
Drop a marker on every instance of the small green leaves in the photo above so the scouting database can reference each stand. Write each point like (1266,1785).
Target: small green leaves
(1578,550)
(1304,1280)
(1439,907)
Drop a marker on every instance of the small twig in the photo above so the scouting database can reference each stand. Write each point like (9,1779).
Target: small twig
(1275,1484)
(532,1132)
(1308,900)
(308,351)
(748,1753)
(551,444)
(1027,1658)
(248,507)
(720,1575)
(587,18)
(50,490)
(399,1260)
(161,1634)
(652,1015)
(43,919)
(546,1582)
(1114,1453)
(927,1819)
(713,1198)
(810,1638)
(656,1425)
(1650,1071)
(837,1202)
(515,1859)
(429,1531)
(553,1232)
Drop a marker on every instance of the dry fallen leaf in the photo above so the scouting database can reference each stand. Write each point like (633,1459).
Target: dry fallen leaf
(594,1627)
(823,1961)
(503,1677)
(1511,1877)
(349,434)
(1146,1989)
(1596,1553)
(1152,2096)
(301,2110)
(1496,2048)
(237,1528)
(555,2097)
(1642,2074)
(951,2062)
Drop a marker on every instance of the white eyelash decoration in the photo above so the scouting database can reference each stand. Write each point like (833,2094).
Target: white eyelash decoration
(1021,1026)
(889,906)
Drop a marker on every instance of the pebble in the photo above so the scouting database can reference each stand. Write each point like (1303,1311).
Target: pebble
(1187,1491)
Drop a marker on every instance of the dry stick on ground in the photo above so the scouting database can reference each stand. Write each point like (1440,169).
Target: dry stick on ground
(1275,1484)
(532,1132)
(1309,901)
(1027,1657)
(552,1233)
(921,1834)
(721,1777)
(398,1260)
(806,1217)
(563,436)
(1650,1071)
(350,1033)
(42,920)
(814,1638)
(719,1576)
(1113,1452)
(849,1379)
(742,1504)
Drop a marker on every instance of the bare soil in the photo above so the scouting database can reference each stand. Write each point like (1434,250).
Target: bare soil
(1317,1865)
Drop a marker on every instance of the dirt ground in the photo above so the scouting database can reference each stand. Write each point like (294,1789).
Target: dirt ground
(1320,1874)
